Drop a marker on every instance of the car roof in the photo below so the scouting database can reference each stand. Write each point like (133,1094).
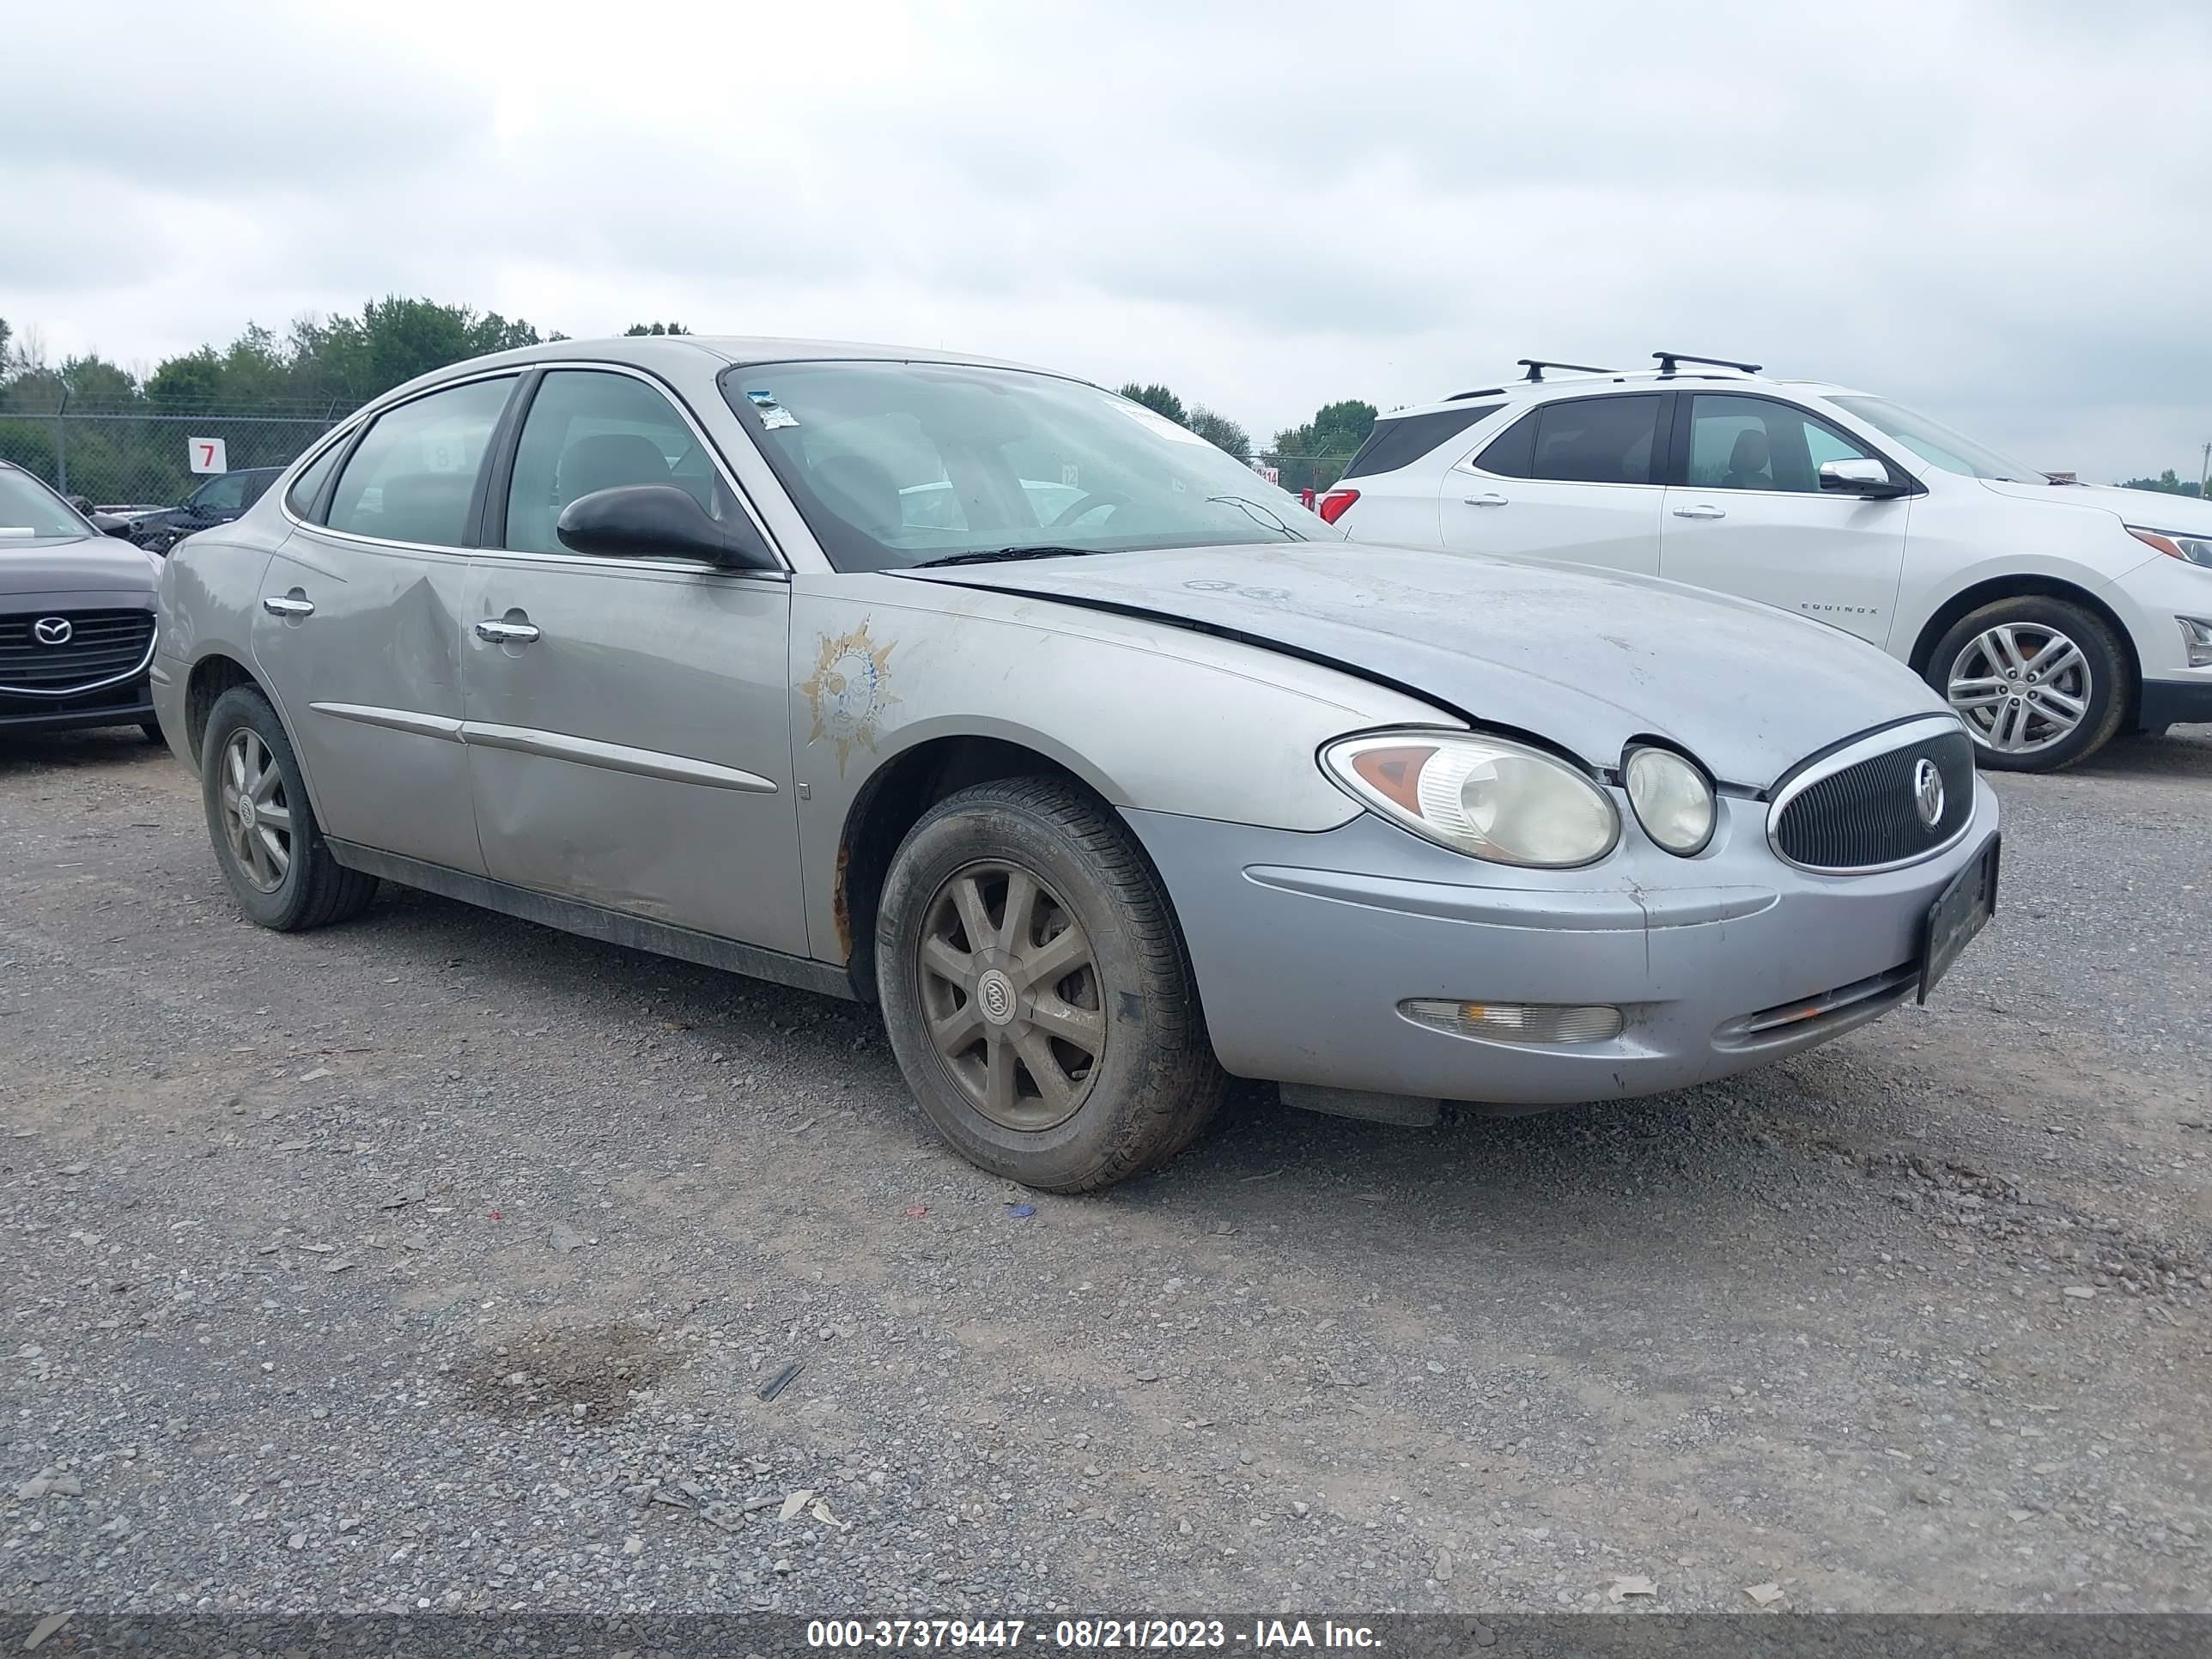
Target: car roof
(648,350)
(1553,387)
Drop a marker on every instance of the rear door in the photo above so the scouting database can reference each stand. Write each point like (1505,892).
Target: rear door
(1577,480)
(1749,516)
(628,720)
(359,632)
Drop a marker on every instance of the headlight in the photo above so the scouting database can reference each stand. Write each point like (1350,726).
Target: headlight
(1483,796)
(1673,800)
(2176,543)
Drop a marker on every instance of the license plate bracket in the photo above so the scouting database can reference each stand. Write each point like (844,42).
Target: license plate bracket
(1961,911)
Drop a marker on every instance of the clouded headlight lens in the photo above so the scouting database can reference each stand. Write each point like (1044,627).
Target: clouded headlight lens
(1482,796)
(1673,801)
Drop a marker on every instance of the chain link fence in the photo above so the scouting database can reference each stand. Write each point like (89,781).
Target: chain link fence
(142,455)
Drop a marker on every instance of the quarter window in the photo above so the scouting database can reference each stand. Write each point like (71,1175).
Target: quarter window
(589,430)
(307,488)
(1755,443)
(1402,441)
(414,473)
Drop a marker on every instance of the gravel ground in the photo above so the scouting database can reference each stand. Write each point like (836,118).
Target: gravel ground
(438,1260)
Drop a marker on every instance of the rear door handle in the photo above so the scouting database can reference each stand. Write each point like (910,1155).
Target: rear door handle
(499,631)
(1490,498)
(294,604)
(1702,511)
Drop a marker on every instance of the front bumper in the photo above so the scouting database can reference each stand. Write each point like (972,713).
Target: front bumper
(1305,945)
(128,704)
(2175,702)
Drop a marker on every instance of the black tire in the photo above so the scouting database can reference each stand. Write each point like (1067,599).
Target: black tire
(1154,1082)
(313,889)
(2110,678)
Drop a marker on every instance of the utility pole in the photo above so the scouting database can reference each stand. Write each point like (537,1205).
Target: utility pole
(2204,482)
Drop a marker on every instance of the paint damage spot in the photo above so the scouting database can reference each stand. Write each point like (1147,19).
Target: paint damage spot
(849,692)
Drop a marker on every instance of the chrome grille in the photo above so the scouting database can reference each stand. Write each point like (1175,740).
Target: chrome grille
(102,645)
(1858,809)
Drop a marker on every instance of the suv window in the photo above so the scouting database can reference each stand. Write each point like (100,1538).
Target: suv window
(1597,440)
(589,429)
(1400,442)
(411,477)
(224,495)
(1755,443)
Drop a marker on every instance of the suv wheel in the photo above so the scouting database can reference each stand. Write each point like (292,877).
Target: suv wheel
(2040,683)
(266,840)
(1036,990)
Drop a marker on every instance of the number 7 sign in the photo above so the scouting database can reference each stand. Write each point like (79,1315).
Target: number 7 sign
(206,455)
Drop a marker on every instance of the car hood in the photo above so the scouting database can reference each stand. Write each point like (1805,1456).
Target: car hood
(95,564)
(1583,658)
(2152,507)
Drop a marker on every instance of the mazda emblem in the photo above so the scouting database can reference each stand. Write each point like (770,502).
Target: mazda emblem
(1928,793)
(52,630)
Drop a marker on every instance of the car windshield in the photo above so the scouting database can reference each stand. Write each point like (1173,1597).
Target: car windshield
(901,463)
(1937,444)
(29,511)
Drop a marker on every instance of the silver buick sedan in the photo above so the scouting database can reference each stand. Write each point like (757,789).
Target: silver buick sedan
(1098,765)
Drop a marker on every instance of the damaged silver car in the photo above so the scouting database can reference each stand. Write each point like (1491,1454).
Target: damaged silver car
(1099,765)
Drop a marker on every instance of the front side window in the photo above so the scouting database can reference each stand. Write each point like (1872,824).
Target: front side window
(1755,443)
(223,494)
(900,463)
(1936,443)
(412,475)
(1597,440)
(29,510)
(587,430)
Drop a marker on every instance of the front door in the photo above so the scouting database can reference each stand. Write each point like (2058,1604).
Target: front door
(628,726)
(359,630)
(1577,480)
(1752,519)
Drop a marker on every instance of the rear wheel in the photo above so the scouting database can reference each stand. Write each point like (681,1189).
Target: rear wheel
(1036,990)
(2040,683)
(270,848)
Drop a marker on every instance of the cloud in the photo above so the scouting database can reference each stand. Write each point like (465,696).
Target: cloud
(1994,210)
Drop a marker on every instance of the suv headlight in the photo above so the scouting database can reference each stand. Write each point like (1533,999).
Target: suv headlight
(2176,543)
(1674,800)
(1486,797)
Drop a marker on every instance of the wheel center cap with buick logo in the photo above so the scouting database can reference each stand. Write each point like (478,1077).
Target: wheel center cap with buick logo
(1928,793)
(995,995)
(52,630)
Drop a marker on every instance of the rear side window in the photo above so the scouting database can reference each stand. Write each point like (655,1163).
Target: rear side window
(307,488)
(1400,442)
(1597,440)
(413,474)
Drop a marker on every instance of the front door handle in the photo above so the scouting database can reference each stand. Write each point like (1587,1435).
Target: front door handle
(499,631)
(1490,498)
(1704,510)
(294,604)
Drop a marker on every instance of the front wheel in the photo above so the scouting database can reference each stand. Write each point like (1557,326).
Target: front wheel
(2040,683)
(270,848)
(1037,989)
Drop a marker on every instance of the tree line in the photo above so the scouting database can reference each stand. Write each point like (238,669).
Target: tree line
(1309,456)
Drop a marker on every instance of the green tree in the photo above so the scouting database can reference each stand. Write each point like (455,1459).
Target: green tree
(1158,399)
(1220,431)
(1314,456)
(2167,484)
(654,328)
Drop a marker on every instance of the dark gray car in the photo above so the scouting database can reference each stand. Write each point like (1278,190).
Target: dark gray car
(76,616)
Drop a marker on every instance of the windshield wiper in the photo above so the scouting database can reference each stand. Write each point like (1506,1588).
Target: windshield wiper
(1002,555)
(1259,511)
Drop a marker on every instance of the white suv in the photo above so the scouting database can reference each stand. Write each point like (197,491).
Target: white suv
(2052,614)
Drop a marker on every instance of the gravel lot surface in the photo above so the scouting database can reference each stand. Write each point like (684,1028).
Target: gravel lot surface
(438,1260)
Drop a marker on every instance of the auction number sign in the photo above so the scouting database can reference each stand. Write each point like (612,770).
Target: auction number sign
(206,455)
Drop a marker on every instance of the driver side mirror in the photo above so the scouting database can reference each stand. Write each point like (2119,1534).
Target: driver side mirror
(1859,477)
(657,521)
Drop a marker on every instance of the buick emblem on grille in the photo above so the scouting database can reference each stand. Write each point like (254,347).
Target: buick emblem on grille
(52,630)
(1927,792)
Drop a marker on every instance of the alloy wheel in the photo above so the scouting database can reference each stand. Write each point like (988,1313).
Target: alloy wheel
(257,815)
(2021,687)
(1010,989)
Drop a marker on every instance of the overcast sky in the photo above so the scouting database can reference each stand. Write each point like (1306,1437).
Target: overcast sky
(2000,212)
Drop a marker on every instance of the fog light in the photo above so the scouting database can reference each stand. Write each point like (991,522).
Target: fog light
(1516,1022)
(2197,636)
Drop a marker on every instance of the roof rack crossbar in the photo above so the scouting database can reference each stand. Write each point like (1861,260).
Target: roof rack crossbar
(1536,366)
(1669,359)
